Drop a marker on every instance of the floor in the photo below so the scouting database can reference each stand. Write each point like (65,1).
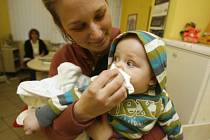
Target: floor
(10,106)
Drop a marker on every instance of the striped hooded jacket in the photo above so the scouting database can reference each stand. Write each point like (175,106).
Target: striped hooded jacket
(137,114)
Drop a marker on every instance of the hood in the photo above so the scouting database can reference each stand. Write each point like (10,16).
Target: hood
(155,51)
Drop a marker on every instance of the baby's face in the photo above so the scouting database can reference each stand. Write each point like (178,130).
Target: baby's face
(131,57)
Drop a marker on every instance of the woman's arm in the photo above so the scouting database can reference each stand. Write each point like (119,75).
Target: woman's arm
(100,97)
(66,127)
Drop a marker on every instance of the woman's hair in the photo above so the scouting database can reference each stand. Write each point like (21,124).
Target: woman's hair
(31,31)
(50,5)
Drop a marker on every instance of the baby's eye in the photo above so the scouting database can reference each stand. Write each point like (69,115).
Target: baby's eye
(130,63)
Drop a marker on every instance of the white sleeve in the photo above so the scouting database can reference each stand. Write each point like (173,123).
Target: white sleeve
(68,75)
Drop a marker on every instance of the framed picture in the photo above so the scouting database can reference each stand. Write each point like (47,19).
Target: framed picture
(132,20)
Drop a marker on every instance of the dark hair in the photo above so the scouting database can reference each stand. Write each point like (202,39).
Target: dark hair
(33,30)
(50,5)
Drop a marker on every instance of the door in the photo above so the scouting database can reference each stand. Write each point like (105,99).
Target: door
(185,74)
(203,113)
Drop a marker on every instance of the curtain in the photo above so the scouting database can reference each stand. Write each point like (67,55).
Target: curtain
(27,14)
(115,8)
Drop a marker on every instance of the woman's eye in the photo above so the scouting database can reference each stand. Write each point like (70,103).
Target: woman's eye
(79,27)
(99,16)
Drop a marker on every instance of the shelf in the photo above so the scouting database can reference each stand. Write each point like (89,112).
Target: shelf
(160,14)
(160,9)
(157,2)
(11,59)
(156,28)
(3,78)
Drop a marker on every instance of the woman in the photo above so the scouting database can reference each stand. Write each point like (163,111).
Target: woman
(87,23)
(34,45)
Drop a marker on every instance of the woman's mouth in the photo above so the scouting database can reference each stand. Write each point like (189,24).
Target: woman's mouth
(98,43)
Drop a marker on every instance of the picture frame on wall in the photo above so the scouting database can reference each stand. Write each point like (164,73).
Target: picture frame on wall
(132,21)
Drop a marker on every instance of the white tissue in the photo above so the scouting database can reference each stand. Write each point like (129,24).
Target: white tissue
(126,77)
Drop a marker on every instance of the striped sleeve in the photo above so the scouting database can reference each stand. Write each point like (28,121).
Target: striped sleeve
(169,120)
(59,103)
(47,113)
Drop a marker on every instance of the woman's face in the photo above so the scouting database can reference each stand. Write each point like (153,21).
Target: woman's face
(87,22)
(34,36)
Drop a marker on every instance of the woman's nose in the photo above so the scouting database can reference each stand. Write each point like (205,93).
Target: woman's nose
(96,34)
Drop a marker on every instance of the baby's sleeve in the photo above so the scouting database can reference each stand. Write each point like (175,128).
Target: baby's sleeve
(47,113)
(72,83)
(169,120)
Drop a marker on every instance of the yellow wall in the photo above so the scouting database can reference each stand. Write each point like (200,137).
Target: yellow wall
(141,7)
(183,11)
(4,19)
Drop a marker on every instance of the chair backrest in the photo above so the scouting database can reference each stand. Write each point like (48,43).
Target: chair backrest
(199,131)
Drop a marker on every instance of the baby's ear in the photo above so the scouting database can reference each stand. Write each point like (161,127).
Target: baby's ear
(153,81)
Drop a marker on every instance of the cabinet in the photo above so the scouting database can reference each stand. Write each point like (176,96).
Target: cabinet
(203,114)
(11,59)
(188,81)
(159,17)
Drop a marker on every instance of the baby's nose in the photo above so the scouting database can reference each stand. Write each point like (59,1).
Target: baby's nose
(126,78)
(120,65)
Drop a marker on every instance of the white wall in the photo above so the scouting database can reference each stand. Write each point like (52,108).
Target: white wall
(27,14)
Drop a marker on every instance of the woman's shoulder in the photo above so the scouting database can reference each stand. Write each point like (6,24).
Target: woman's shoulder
(67,53)
(115,32)
(71,49)
(41,41)
(27,41)
(65,49)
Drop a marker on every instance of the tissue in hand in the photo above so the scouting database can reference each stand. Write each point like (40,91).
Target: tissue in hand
(126,77)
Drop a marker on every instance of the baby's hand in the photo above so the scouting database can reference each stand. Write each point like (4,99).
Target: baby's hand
(31,123)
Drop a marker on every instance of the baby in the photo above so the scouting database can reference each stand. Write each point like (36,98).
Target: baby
(141,59)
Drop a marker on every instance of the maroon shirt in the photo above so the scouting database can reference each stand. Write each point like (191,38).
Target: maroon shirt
(66,127)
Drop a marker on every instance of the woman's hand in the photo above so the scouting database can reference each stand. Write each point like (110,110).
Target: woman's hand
(104,93)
